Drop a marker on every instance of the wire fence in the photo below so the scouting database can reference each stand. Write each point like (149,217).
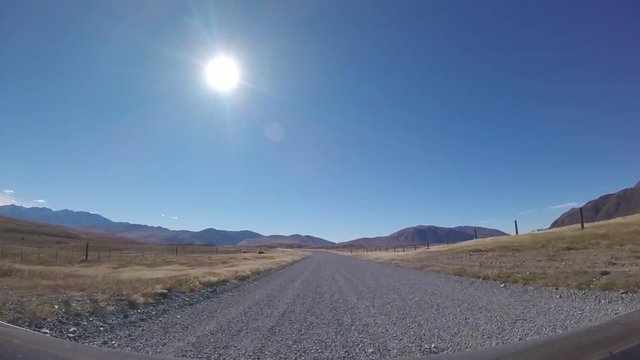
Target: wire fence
(372,249)
(69,254)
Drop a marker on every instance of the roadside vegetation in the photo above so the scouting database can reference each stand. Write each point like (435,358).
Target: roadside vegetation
(603,256)
(44,274)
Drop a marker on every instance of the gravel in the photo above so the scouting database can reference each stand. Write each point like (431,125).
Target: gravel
(329,306)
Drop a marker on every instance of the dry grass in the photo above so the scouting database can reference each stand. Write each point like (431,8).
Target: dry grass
(33,290)
(36,284)
(604,256)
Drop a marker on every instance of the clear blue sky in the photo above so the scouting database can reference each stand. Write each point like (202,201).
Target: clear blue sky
(393,114)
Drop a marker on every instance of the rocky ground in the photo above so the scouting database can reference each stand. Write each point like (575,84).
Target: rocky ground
(333,306)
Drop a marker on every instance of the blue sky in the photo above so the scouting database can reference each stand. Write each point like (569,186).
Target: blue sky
(391,114)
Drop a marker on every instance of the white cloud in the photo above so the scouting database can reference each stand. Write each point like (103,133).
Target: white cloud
(565,206)
(39,201)
(174,217)
(6,200)
(524,212)
(163,215)
(8,192)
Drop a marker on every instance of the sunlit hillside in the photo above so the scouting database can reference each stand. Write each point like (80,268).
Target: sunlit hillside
(605,256)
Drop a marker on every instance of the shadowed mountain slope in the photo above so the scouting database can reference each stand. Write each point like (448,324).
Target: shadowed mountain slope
(622,203)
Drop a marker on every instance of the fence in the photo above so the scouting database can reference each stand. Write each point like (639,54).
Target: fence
(69,254)
(392,249)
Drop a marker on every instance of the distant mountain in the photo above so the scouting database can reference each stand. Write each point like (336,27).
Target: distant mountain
(83,220)
(295,240)
(481,231)
(422,235)
(29,233)
(622,203)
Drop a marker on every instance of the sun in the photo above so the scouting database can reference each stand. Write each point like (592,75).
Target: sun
(222,73)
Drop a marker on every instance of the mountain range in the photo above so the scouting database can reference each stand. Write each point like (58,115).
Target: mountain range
(426,234)
(295,240)
(622,203)
(86,221)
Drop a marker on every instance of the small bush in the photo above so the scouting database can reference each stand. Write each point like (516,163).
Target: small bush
(38,311)
(135,300)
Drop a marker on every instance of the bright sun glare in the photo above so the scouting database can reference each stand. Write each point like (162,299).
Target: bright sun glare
(222,73)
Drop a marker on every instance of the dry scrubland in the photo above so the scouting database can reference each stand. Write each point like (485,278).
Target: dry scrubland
(37,284)
(604,256)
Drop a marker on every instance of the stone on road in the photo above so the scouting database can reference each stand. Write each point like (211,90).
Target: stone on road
(330,306)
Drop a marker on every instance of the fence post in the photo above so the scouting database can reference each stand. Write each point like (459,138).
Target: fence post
(516,223)
(581,219)
(475,233)
(86,253)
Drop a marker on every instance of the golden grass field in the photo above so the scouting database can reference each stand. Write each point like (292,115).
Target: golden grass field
(36,284)
(603,256)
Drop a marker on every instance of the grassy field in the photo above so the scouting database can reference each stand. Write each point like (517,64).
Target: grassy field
(43,272)
(604,256)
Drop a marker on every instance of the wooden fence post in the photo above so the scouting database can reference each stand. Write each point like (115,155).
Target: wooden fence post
(581,219)
(86,253)
(516,224)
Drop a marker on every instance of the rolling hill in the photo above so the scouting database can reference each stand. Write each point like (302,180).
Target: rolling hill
(83,220)
(26,233)
(295,240)
(622,203)
(426,234)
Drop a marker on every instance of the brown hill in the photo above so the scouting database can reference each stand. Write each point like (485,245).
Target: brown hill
(622,203)
(96,223)
(295,240)
(26,233)
(423,235)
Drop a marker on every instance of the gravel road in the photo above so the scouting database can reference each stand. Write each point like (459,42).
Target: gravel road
(331,306)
